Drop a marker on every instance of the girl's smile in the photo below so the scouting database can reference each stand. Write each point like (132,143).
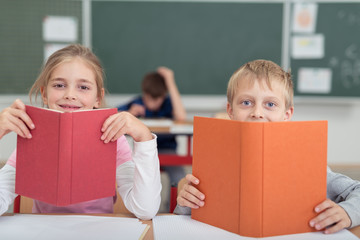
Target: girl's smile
(72,87)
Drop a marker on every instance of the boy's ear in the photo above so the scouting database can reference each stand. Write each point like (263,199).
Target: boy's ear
(43,95)
(229,110)
(288,114)
(99,99)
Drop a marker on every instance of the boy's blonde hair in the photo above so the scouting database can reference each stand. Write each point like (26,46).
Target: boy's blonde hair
(65,55)
(262,70)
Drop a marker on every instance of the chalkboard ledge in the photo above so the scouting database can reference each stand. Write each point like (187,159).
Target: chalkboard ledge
(310,100)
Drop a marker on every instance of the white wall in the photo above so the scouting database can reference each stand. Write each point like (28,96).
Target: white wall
(342,114)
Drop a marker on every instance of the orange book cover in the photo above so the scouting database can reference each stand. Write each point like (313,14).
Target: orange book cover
(65,161)
(260,179)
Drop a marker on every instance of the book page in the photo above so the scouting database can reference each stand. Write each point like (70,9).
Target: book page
(40,227)
(183,227)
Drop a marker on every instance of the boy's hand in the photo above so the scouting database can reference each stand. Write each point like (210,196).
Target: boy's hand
(14,118)
(331,215)
(190,196)
(124,123)
(137,110)
(167,73)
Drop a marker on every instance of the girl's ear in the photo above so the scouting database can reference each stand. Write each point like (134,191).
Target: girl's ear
(43,95)
(288,114)
(99,99)
(229,110)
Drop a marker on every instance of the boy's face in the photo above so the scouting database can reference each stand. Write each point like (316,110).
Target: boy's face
(259,103)
(153,104)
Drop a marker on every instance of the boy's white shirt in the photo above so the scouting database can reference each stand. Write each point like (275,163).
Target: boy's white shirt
(138,182)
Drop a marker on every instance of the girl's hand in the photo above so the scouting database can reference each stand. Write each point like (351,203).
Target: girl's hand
(14,118)
(190,196)
(331,215)
(124,123)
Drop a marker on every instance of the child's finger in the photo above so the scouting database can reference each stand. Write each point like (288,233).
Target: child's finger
(328,221)
(108,121)
(191,178)
(194,191)
(324,205)
(109,133)
(18,126)
(17,130)
(114,131)
(18,104)
(337,227)
(106,132)
(25,118)
(184,203)
(118,135)
(189,200)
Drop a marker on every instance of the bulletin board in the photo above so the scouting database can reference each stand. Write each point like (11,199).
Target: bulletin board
(337,72)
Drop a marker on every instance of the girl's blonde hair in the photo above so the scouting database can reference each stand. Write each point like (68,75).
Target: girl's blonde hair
(65,55)
(262,70)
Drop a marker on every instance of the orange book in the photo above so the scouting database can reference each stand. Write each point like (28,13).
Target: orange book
(65,161)
(260,179)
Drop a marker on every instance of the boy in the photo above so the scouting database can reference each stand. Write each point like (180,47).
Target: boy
(155,102)
(261,91)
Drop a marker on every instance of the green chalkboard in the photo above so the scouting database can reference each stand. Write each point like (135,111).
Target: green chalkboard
(21,42)
(340,25)
(203,42)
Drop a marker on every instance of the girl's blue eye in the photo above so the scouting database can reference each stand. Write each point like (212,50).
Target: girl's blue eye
(246,103)
(84,88)
(58,85)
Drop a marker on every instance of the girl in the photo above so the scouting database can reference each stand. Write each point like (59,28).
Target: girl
(72,79)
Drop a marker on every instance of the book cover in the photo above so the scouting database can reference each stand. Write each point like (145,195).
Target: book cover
(260,178)
(65,161)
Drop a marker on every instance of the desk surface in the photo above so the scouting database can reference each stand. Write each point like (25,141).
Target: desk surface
(150,233)
(167,126)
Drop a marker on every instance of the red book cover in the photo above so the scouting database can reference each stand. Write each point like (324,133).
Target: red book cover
(260,179)
(65,161)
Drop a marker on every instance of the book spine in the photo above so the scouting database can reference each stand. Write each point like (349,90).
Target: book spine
(65,160)
(251,180)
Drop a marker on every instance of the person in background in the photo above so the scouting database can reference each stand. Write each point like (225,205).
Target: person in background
(160,99)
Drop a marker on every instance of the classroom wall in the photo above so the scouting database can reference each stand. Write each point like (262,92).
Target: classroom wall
(342,115)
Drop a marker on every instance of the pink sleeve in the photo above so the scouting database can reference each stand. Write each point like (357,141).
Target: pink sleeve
(123,151)
(12,159)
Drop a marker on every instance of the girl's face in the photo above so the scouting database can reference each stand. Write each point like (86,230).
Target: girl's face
(71,87)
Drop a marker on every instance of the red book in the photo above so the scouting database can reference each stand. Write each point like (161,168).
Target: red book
(260,179)
(65,161)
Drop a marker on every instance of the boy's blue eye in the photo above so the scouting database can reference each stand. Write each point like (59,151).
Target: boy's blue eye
(270,104)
